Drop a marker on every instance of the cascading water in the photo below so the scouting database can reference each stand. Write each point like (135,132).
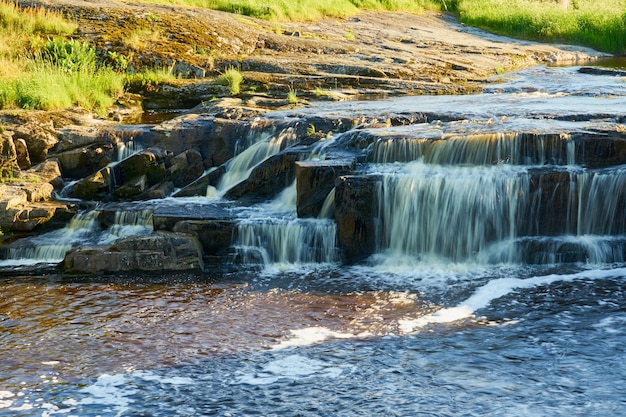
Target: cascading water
(84,229)
(275,236)
(449,212)
(240,167)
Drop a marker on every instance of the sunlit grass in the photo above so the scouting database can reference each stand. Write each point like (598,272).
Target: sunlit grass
(600,24)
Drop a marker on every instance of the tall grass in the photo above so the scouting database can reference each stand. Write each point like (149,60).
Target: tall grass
(52,73)
(600,24)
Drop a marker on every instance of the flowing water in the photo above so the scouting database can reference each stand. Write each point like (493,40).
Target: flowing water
(477,301)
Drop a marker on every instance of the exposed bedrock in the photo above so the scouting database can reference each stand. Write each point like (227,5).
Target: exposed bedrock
(157,252)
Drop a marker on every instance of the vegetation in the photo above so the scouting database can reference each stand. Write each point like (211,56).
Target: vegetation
(303,10)
(233,78)
(600,24)
(52,72)
(292,96)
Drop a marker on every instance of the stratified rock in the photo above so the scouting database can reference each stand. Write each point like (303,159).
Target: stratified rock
(215,235)
(315,179)
(25,207)
(157,252)
(356,205)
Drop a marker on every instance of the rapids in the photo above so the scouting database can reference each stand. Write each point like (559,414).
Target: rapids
(496,285)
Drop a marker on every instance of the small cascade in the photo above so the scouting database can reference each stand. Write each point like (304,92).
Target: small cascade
(601,202)
(240,167)
(273,235)
(126,149)
(52,246)
(85,228)
(449,212)
(128,223)
(288,241)
(329,206)
(478,149)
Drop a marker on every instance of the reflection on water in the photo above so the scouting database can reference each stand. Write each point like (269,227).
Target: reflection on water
(108,328)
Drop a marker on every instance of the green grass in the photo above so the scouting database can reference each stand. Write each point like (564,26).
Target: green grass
(233,78)
(600,24)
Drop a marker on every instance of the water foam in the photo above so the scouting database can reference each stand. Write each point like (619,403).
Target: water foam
(292,367)
(493,290)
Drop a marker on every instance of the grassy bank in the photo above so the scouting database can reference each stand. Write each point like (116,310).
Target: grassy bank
(41,67)
(600,24)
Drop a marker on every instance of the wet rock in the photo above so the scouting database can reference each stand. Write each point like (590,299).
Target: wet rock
(81,162)
(315,179)
(356,205)
(157,252)
(149,162)
(600,149)
(161,190)
(185,168)
(270,177)
(199,186)
(131,188)
(216,236)
(94,187)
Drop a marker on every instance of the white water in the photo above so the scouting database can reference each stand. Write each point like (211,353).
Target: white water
(240,167)
(83,229)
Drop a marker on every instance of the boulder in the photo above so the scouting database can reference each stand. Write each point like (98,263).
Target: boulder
(81,162)
(8,157)
(199,186)
(315,179)
(185,168)
(39,138)
(157,252)
(131,188)
(94,187)
(48,171)
(149,163)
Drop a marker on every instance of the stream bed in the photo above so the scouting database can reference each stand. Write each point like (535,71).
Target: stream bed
(471,305)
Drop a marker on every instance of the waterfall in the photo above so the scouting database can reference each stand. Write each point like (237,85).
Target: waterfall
(288,241)
(326,212)
(449,212)
(240,167)
(52,246)
(126,149)
(601,202)
(83,229)
(477,149)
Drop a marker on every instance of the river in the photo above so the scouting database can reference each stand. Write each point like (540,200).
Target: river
(468,306)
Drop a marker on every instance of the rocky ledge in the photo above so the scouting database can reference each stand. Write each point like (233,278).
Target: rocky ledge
(58,163)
